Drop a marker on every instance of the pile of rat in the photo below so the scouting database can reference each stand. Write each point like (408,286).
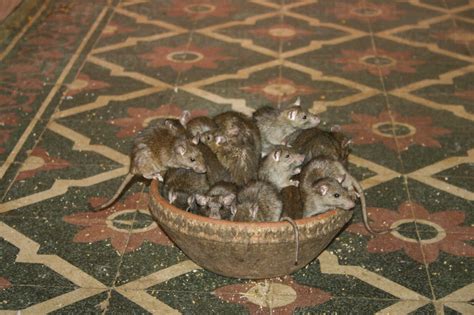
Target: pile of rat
(276,165)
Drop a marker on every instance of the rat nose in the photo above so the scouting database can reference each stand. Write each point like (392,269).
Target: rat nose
(316,120)
(350,205)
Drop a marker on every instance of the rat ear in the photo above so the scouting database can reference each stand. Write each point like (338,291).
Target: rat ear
(233,131)
(277,155)
(322,189)
(297,102)
(336,128)
(169,124)
(172,195)
(201,199)
(346,142)
(185,117)
(221,139)
(341,178)
(233,210)
(292,114)
(195,139)
(180,149)
(227,199)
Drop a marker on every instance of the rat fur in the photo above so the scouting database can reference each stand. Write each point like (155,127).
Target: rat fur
(258,201)
(157,148)
(277,124)
(279,166)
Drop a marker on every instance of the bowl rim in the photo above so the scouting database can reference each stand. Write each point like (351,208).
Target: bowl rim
(155,194)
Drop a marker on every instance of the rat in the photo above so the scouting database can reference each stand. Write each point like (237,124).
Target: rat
(327,167)
(199,125)
(315,142)
(277,124)
(258,201)
(239,130)
(292,203)
(239,159)
(216,172)
(180,185)
(261,202)
(219,202)
(323,194)
(280,165)
(156,149)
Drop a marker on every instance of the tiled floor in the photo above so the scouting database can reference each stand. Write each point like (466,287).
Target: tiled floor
(79,78)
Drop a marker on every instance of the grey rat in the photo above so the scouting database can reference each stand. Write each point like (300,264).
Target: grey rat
(258,201)
(324,194)
(314,142)
(180,185)
(279,166)
(277,124)
(156,149)
(219,202)
(239,159)
(328,167)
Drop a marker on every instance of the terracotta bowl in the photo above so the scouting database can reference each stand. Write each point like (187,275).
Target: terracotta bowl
(248,250)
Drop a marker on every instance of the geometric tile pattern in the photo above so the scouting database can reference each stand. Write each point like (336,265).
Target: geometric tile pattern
(80,78)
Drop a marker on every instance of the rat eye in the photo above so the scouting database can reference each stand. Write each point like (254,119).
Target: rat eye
(336,195)
(287,156)
(304,117)
(192,159)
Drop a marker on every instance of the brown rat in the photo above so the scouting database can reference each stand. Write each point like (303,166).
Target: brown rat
(326,167)
(239,159)
(219,202)
(199,125)
(279,166)
(239,130)
(180,185)
(258,201)
(156,149)
(314,142)
(216,172)
(292,203)
(277,124)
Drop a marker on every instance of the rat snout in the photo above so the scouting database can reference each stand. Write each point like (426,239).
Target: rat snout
(349,205)
(315,120)
(299,158)
(214,212)
(200,169)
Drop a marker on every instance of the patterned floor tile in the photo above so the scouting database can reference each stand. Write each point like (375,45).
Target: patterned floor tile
(51,244)
(283,85)
(425,136)
(281,34)
(196,14)
(451,35)
(95,81)
(124,26)
(453,90)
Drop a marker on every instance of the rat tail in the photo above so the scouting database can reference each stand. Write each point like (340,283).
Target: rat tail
(117,194)
(365,217)
(297,236)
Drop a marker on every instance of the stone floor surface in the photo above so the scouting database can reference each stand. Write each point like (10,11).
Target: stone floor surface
(78,79)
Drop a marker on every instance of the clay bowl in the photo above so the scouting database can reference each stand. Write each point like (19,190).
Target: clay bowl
(247,250)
